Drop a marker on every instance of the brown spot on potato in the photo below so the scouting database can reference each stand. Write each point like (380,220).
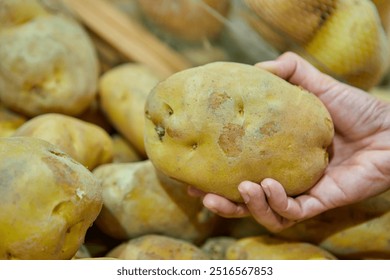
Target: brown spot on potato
(269,129)
(230,139)
(64,175)
(240,108)
(174,133)
(160,130)
(216,99)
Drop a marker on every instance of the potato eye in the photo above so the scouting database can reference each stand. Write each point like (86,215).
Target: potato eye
(160,131)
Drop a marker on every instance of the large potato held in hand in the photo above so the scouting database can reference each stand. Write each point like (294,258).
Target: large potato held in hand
(214,126)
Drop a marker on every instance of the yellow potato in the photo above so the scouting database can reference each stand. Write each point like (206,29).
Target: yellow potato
(215,247)
(214,126)
(9,121)
(123,91)
(265,247)
(123,151)
(351,44)
(297,20)
(360,230)
(85,142)
(157,247)
(48,62)
(47,200)
(138,201)
(186,20)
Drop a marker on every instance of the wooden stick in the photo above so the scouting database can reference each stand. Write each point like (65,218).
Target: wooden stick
(128,36)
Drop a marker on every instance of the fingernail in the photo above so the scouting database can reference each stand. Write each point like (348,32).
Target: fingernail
(266,189)
(210,205)
(244,194)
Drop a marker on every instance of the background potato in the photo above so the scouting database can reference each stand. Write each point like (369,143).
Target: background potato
(138,202)
(157,247)
(123,151)
(215,247)
(360,230)
(47,200)
(9,121)
(186,19)
(48,63)
(216,125)
(87,143)
(264,247)
(123,91)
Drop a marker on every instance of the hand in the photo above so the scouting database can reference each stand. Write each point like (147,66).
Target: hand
(359,165)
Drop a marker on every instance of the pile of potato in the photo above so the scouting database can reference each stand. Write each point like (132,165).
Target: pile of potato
(85,172)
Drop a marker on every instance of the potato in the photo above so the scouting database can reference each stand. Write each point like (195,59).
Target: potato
(123,151)
(186,20)
(344,38)
(157,247)
(360,230)
(94,114)
(264,247)
(138,201)
(47,200)
(87,143)
(9,121)
(351,44)
(296,19)
(215,247)
(123,91)
(48,63)
(214,126)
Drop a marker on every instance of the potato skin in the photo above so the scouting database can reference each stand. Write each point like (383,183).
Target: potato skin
(157,247)
(47,200)
(186,19)
(216,125)
(123,91)
(9,121)
(138,201)
(48,64)
(264,247)
(85,142)
(356,231)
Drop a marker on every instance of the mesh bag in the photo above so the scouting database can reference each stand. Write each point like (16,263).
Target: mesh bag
(345,38)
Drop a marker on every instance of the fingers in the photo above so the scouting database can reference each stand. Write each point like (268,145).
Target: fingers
(219,205)
(195,192)
(257,201)
(224,207)
(291,67)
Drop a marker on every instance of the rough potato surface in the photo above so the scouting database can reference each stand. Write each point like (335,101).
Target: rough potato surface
(85,142)
(48,62)
(264,247)
(47,200)
(216,125)
(138,201)
(157,247)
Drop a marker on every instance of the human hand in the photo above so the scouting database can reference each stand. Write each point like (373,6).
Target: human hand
(359,165)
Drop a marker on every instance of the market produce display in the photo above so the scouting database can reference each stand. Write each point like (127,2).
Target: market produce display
(98,144)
